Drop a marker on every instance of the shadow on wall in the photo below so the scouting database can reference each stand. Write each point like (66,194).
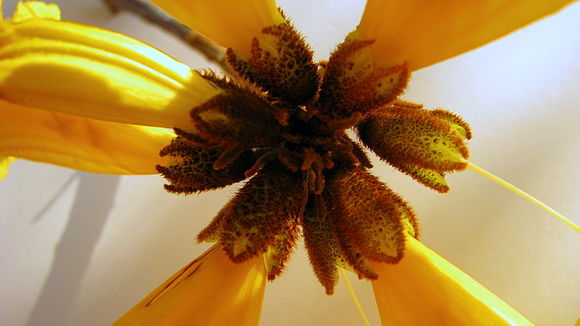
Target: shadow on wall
(88,216)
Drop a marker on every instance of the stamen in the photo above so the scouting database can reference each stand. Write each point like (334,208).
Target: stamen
(523,194)
(259,163)
(227,157)
(354,297)
(308,157)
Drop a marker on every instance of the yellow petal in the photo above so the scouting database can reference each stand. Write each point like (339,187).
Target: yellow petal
(35,9)
(210,291)
(425,289)
(424,32)
(5,165)
(98,74)
(230,23)
(80,143)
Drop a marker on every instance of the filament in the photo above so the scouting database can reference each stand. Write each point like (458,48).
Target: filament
(354,297)
(523,194)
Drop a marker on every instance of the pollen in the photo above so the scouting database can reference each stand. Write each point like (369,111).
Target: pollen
(282,123)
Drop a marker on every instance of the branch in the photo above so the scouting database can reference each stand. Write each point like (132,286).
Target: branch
(149,12)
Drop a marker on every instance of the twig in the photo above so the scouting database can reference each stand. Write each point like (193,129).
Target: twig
(149,12)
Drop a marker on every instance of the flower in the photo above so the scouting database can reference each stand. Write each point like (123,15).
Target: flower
(223,293)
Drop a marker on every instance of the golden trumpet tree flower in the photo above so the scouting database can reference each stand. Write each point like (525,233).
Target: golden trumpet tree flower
(147,83)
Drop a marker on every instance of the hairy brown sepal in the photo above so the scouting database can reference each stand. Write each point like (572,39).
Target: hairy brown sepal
(282,66)
(237,118)
(321,243)
(278,253)
(455,121)
(268,206)
(194,172)
(424,144)
(352,84)
(427,177)
(367,215)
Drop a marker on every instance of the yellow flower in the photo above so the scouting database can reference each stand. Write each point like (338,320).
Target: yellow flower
(152,87)
(424,289)
(211,290)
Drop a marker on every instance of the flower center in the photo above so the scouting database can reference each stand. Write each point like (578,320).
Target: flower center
(282,121)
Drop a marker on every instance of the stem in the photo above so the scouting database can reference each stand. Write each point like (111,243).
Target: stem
(154,15)
(523,194)
(354,297)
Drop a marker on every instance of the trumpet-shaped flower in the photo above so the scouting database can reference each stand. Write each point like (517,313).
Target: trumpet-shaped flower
(90,99)
(411,292)
(224,293)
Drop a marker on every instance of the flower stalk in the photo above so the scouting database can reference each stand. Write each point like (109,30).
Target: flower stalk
(152,14)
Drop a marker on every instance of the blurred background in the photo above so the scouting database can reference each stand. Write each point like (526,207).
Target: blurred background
(81,249)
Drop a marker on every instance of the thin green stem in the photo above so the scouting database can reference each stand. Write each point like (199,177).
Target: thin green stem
(523,194)
(354,298)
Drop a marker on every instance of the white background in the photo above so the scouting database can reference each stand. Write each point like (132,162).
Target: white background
(81,249)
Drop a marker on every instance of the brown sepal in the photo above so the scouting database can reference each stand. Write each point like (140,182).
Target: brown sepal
(279,251)
(321,243)
(194,172)
(355,258)
(213,231)
(266,207)
(284,67)
(351,83)
(367,216)
(361,156)
(405,136)
(408,218)
(427,177)
(455,121)
(237,118)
